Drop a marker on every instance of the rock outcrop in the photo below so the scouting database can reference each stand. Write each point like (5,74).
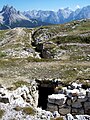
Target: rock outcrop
(22,96)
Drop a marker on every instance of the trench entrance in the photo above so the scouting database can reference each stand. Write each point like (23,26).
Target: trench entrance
(45,88)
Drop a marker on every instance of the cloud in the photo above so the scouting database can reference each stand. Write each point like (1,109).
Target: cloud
(77,6)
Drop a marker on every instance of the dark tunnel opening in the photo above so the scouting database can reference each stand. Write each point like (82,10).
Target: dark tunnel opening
(45,88)
(43,96)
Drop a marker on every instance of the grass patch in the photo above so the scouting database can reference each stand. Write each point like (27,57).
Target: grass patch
(21,83)
(58,118)
(17,108)
(2,34)
(1,113)
(71,39)
(31,59)
(26,110)
(2,54)
(29,110)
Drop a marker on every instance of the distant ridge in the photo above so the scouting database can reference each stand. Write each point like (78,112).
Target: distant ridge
(61,16)
(11,18)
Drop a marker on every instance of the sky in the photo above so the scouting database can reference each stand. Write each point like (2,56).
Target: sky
(24,5)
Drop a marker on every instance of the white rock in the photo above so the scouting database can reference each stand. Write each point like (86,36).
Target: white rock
(56,114)
(83,117)
(58,99)
(69,117)
(75,85)
(82,92)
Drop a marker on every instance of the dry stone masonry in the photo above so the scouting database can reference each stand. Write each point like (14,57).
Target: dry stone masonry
(70,103)
(72,99)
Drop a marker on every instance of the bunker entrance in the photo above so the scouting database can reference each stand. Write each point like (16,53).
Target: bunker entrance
(45,88)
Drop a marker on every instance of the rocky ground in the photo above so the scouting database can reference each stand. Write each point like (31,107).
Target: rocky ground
(46,53)
(21,102)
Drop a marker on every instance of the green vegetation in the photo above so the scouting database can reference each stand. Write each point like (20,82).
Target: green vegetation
(17,108)
(2,34)
(2,54)
(1,113)
(63,48)
(58,118)
(71,39)
(21,83)
(29,110)
(26,110)
(31,59)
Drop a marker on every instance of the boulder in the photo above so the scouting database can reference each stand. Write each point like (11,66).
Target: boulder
(76,104)
(82,93)
(69,117)
(87,107)
(75,85)
(4,100)
(68,101)
(64,110)
(58,99)
(83,117)
(56,114)
(71,93)
(52,107)
(76,111)
(22,96)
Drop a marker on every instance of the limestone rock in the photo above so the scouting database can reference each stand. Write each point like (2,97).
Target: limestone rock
(76,111)
(69,117)
(69,102)
(52,107)
(56,114)
(76,105)
(22,96)
(64,110)
(83,117)
(87,107)
(58,99)
(75,85)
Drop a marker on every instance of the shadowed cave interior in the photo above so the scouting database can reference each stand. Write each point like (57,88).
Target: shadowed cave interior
(44,91)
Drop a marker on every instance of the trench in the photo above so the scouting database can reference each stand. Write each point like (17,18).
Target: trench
(45,88)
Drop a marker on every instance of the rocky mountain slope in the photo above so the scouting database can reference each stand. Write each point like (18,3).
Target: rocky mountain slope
(47,60)
(61,16)
(46,52)
(10,18)
(67,41)
(59,42)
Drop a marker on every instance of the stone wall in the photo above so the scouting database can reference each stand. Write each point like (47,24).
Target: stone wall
(73,99)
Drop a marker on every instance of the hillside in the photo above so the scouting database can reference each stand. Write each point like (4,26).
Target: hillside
(56,51)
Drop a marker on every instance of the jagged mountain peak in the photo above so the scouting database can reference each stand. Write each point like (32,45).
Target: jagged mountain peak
(61,16)
(9,16)
(10,10)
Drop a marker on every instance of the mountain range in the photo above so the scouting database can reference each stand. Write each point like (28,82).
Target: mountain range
(10,17)
(61,16)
